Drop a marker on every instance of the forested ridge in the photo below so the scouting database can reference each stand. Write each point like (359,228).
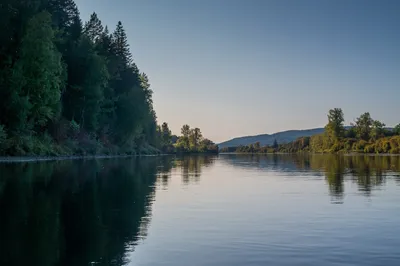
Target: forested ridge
(72,87)
(365,135)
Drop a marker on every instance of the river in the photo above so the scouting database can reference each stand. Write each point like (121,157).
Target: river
(221,210)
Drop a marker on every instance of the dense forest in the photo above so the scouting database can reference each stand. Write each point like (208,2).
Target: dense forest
(69,87)
(365,135)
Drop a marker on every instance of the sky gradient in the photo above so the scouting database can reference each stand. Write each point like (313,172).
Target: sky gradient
(235,68)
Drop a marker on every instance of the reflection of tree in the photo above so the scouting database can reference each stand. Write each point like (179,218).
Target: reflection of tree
(191,167)
(164,171)
(163,180)
(368,172)
(276,162)
(334,174)
(74,212)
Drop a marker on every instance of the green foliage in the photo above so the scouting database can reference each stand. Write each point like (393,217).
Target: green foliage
(351,132)
(363,126)
(366,136)
(335,126)
(378,130)
(165,138)
(396,129)
(165,134)
(195,138)
(68,88)
(93,29)
(359,145)
(184,141)
(37,76)
(192,141)
(369,148)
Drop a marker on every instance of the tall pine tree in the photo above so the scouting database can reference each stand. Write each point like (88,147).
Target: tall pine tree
(37,76)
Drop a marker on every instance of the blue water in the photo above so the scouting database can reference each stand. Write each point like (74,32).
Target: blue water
(225,210)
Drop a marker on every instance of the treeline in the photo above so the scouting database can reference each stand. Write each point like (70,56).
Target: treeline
(252,148)
(365,135)
(190,141)
(69,87)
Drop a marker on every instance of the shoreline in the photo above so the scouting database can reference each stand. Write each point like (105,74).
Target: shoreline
(25,159)
(313,153)
(22,159)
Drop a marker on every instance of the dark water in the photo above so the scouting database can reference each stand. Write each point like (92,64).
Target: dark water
(228,210)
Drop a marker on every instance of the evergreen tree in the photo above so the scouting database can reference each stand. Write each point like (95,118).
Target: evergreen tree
(121,46)
(77,83)
(64,13)
(94,29)
(37,77)
(88,81)
(275,145)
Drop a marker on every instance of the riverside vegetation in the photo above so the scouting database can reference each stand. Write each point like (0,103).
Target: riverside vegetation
(72,88)
(365,135)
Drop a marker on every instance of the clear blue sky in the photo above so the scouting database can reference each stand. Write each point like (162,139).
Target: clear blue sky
(235,68)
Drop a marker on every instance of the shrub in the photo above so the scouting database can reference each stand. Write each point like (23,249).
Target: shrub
(88,145)
(19,145)
(369,148)
(395,150)
(360,145)
(74,128)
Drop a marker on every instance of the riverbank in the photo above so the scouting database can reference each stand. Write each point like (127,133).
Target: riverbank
(312,153)
(17,159)
(21,159)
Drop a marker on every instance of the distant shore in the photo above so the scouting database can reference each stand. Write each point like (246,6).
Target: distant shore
(313,153)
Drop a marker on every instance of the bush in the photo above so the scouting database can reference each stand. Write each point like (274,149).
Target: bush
(369,148)
(88,145)
(395,150)
(148,150)
(20,145)
(336,147)
(360,145)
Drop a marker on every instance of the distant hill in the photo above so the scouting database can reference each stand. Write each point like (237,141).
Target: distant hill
(268,139)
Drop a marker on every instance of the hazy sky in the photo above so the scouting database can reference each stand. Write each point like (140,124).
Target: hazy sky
(235,68)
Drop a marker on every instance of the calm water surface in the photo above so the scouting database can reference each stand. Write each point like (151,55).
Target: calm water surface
(228,210)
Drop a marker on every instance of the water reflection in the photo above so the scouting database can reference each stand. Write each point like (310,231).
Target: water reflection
(191,167)
(368,172)
(96,212)
(82,212)
(74,212)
